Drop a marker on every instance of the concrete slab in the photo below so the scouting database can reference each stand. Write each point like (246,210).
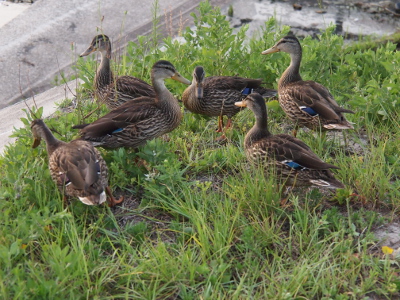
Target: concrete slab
(45,39)
(11,115)
(9,11)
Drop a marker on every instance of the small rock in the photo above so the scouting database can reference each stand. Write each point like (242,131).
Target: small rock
(297,6)
(246,20)
(389,235)
(397,7)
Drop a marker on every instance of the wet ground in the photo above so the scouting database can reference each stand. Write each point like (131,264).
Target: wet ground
(352,18)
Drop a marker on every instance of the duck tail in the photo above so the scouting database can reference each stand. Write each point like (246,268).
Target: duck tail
(94,199)
(330,184)
(325,178)
(80,126)
(339,126)
(266,93)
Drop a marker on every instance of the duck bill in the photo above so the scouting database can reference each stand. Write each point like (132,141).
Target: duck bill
(180,78)
(240,104)
(36,142)
(89,50)
(199,90)
(270,50)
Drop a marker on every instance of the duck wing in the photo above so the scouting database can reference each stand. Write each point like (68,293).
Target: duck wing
(317,97)
(129,113)
(230,83)
(76,165)
(287,148)
(327,96)
(134,87)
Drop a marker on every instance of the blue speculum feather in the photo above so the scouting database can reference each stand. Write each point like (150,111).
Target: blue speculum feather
(294,165)
(98,167)
(247,91)
(117,130)
(309,110)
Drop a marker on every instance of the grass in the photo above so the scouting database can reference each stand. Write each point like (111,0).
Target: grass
(199,222)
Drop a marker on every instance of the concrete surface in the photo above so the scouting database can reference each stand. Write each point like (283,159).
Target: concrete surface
(350,21)
(11,115)
(9,11)
(47,38)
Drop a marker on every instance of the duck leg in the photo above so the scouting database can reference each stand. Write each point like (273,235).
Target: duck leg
(221,128)
(220,123)
(222,138)
(294,133)
(111,200)
(229,123)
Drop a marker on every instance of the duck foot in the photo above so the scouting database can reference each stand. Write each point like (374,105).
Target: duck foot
(220,124)
(283,202)
(221,139)
(294,132)
(111,200)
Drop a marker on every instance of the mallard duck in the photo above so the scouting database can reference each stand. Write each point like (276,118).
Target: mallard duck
(76,167)
(307,103)
(109,90)
(296,164)
(145,118)
(215,96)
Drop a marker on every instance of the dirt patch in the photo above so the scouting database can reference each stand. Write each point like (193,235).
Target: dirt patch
(156,221)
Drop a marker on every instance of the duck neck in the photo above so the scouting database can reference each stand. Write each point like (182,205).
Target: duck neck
(52,143)
(259,130)
(164,96)
(167,102)
(104,75)
(292,73)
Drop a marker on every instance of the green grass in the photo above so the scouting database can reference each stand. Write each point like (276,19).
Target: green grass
(199,222)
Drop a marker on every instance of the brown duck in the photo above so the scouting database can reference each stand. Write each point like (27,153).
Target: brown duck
(295,163)
(135,122)
(215,96)
(114,91)
(306,103)
(76,167)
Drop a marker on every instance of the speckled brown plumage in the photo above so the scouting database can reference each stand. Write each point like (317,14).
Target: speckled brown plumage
(215,96)
(297,95)
(114,91)
(135,122)
(76,167)
(295,163)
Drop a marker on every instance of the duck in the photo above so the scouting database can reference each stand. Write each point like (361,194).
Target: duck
(307,103)
(109,90)
(295,163)
(135,122)
(77,168)
(215,96)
